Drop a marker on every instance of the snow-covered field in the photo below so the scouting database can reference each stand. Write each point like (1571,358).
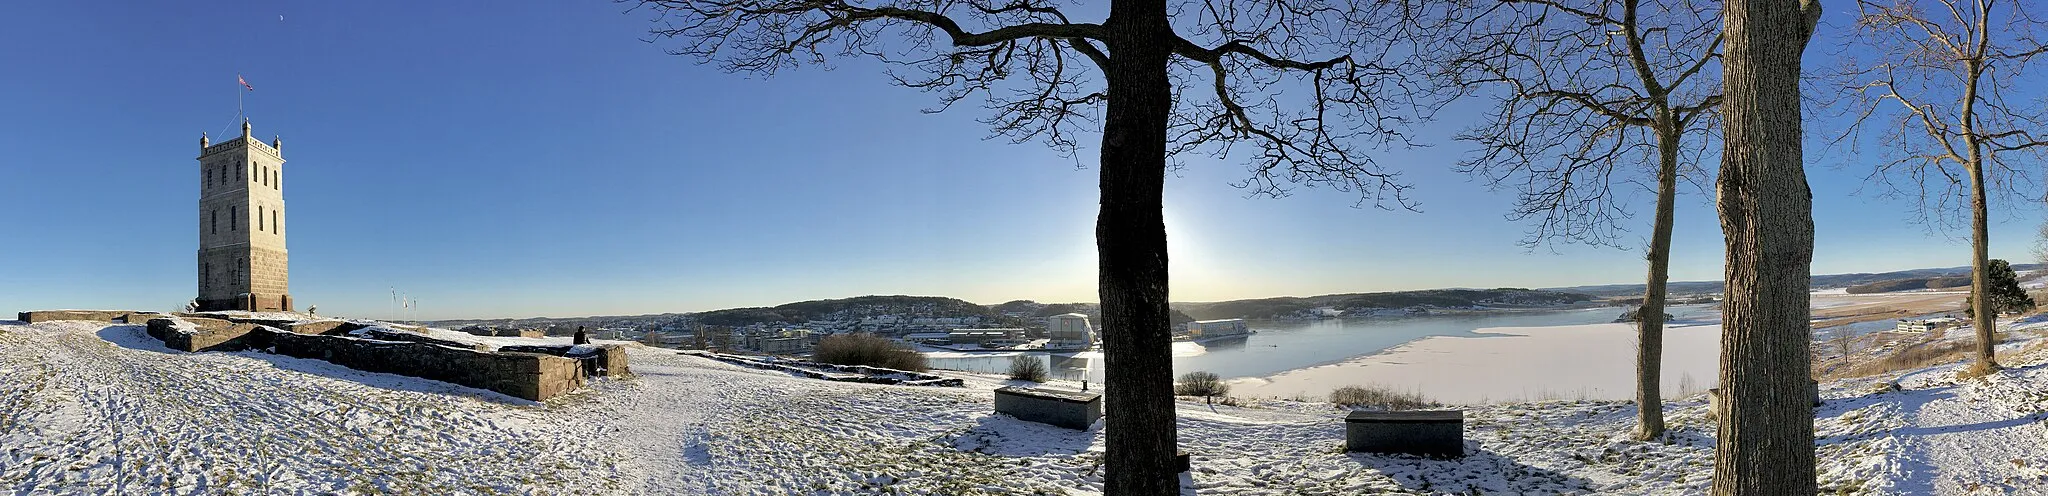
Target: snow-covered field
(92,409)
(1594,361)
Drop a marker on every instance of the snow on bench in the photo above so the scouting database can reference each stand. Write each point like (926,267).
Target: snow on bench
(1423,432)
(1070,409)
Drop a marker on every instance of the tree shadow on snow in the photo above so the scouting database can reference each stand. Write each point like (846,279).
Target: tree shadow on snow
(1478,472)
(1003,435)
(135,337)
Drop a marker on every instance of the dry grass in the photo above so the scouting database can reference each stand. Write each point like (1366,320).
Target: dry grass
(867,349)
(1379,398)
(1924,354)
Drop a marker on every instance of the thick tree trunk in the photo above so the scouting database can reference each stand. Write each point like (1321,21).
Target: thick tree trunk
(1130,241)
(1650,319)
(1765,443)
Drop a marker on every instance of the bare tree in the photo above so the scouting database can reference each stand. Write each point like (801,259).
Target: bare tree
(2041,244)
(1931,81)
(1152,92)
(1764,444)
(1589,93)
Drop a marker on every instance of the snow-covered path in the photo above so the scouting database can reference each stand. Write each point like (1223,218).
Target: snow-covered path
(1974,437)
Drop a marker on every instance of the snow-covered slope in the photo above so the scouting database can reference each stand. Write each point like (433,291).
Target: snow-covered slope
(90,408)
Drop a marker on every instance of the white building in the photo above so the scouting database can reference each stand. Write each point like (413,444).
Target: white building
(987,338)
(1069,331)
(1928,325)
(1202,329)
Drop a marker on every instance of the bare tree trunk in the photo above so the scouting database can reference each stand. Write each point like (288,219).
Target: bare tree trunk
(1650,319)
(1980,272)
(1130,240)
(1765,441)
(1980,233)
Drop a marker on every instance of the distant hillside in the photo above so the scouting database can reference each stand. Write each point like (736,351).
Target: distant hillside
(1282,307)
(1818,282)
(1910,284)
(846,309)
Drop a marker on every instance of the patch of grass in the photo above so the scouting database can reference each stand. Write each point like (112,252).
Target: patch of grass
(1380,398)
(1921,355)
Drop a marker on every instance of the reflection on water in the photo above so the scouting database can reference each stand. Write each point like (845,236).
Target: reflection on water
(1287,345)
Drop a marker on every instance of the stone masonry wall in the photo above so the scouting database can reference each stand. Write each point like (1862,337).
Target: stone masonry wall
(598,361)
(532,376)
(34,316)
(523,375)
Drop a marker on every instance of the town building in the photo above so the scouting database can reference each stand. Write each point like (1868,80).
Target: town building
(987,338)
(1928,324)
(242,258)
(1069,331)
(780,341)
(1204,329)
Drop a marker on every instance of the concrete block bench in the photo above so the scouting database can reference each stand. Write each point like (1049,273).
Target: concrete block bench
(1428,432)
(1069,409)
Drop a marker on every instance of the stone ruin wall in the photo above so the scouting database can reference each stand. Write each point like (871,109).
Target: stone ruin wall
(528,372)
(531,376)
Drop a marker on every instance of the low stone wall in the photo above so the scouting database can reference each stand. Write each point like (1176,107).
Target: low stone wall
(34,316)
(201,334)
(411,337)
(140,318)
(324,327)
(524,375)
(598,360)
(533,374)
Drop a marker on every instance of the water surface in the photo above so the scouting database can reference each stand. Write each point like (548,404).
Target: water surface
(1280,346)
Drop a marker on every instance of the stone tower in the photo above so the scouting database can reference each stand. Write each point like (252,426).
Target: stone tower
(242,262)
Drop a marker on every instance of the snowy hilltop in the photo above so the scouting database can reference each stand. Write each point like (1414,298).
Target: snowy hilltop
(103,408)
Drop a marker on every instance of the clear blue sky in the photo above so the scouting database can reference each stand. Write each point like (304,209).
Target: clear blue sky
(538,158)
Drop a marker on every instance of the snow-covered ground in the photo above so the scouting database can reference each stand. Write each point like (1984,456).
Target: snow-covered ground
(91,408)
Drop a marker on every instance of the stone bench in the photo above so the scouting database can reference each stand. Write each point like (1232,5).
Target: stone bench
(1070,409)
(1427,432)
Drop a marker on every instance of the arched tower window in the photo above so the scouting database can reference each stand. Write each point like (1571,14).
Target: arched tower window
(274,227)
(259,218)
(214,226)
(232,225)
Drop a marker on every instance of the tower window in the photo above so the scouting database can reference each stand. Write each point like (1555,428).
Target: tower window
(214,226)
(259,217)
(273,222)
(232,225)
